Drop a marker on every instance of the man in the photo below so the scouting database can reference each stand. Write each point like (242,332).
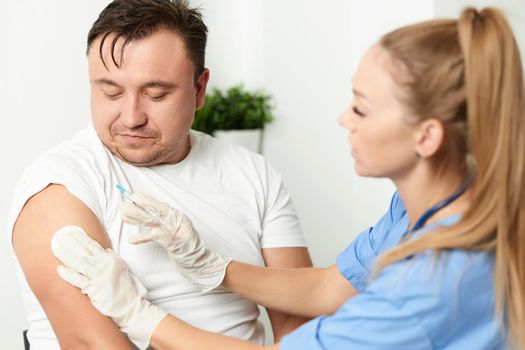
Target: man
(147,75)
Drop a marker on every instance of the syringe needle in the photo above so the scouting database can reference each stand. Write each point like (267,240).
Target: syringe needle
(127,196)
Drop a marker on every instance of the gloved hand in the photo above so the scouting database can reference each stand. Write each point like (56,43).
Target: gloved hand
(104,277)
(202,267)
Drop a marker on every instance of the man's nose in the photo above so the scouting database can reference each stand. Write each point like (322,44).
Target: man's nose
(133,114)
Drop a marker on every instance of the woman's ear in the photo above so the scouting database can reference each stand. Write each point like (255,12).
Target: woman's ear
(429,136)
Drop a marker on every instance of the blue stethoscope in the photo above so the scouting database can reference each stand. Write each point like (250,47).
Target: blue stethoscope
(423,219)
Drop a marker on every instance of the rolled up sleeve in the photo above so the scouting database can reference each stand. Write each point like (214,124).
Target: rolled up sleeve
(356,262)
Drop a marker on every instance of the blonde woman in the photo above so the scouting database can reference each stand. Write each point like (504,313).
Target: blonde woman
(438,108)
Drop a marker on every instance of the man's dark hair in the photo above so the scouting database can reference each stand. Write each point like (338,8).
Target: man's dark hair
(138,19)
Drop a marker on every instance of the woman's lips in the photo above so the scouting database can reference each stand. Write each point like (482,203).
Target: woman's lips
(354,153)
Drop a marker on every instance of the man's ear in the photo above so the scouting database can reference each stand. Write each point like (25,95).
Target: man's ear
(429,136)
(201,84)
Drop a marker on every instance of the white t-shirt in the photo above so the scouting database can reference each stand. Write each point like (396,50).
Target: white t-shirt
(235,199)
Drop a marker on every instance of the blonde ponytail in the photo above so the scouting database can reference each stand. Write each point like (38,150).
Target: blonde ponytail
(478,91)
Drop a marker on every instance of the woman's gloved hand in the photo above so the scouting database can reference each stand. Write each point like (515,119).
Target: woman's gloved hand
(104,277)
(175,232)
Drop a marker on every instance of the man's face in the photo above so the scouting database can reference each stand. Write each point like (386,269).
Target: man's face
(143,110)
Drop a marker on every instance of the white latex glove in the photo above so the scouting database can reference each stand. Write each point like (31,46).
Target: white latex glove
(104,277)
(202,267)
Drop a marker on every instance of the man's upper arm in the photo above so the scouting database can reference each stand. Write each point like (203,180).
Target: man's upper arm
(292,257)
(76,323)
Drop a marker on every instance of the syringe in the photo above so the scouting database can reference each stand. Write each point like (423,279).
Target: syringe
(153,215)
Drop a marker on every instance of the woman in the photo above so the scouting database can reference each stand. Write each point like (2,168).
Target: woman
(438,107)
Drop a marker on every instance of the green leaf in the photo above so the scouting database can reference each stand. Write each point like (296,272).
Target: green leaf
(234,109)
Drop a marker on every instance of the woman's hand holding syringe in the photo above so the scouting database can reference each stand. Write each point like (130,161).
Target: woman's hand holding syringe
(166,225)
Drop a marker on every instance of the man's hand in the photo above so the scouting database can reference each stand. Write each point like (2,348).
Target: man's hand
(202,267)
(104,277)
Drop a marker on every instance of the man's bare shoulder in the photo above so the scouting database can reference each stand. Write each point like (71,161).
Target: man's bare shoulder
(73,318)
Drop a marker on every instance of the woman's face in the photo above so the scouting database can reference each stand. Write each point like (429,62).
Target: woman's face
(383,142)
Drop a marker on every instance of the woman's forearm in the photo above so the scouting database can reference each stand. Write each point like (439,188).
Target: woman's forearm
(174,334)
(298,291)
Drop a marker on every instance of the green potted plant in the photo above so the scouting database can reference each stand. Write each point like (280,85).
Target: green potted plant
(235,112)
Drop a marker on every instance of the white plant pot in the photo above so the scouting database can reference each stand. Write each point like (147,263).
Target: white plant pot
(250,138)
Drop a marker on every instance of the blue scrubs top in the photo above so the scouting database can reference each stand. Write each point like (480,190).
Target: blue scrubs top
(422,302)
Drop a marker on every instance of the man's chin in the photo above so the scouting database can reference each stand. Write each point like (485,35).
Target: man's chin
(140,160)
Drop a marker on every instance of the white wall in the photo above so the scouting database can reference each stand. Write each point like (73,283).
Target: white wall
(303,52)
(236,32)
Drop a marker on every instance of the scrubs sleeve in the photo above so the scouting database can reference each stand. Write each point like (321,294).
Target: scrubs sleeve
(356,262)
(369,323)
